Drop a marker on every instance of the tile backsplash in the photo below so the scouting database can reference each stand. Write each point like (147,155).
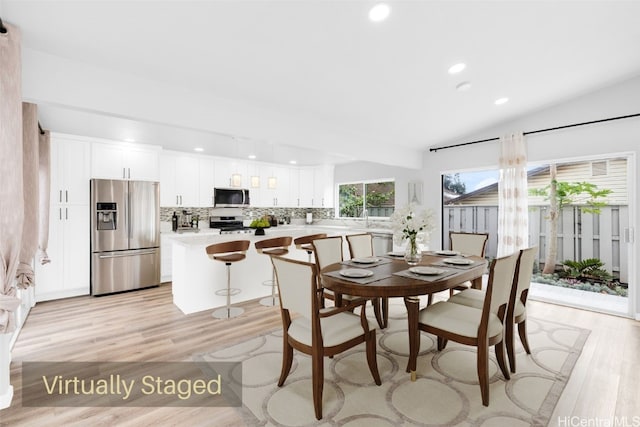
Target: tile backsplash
(254,212)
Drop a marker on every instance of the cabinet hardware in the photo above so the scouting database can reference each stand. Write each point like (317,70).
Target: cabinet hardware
(129,173)
(60,209)
(66,213)
(60,198)
(177,202)
(66,196)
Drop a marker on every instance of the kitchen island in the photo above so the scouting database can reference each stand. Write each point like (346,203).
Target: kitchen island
(196,277)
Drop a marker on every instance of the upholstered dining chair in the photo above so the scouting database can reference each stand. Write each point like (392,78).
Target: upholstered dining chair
(477,327)
(304,242)
(517,303)
(361,246)
(272,246)
(329,251)
(315,331)
(467,244)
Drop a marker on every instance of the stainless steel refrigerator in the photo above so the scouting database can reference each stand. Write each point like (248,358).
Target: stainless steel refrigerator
(125,235)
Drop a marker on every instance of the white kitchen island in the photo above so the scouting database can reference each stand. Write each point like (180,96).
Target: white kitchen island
(196,277)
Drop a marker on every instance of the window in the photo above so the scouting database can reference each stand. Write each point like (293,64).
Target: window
(377,197)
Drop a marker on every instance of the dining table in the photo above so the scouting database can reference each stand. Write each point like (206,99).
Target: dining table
(389,276)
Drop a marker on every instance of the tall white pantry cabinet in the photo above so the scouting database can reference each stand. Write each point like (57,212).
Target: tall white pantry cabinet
(68,272)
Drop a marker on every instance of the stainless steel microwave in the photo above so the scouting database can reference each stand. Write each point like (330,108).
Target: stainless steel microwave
(230,197)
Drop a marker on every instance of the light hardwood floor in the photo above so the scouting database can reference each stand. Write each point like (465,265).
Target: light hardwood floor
(146,326)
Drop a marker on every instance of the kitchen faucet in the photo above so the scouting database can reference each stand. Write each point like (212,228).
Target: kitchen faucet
(365,215)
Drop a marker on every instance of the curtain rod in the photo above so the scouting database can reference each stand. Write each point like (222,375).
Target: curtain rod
(538,131)
(3,29)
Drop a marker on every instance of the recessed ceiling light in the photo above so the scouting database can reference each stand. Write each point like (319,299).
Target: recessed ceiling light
(198,149)
(454,69)
(501,101)
(252,156)
(293,162)
(461,87)
(379,12)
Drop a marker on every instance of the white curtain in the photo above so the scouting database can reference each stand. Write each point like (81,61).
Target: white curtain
(513,207)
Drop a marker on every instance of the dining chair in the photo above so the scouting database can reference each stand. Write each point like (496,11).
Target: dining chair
(304,242)
(272,246)
(468,244)
(315,331)
(517,303)
(329,251)
(361,246)
(480,328)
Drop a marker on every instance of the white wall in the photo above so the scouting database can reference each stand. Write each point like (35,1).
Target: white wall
(621,136)
(363,171)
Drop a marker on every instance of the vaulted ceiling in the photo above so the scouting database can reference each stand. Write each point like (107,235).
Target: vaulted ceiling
(313,80)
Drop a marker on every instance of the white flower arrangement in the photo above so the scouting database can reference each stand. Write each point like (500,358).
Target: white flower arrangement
(407,223)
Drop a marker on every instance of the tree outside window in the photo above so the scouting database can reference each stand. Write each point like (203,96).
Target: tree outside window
(378,198)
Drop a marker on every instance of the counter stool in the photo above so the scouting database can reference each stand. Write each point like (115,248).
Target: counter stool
(275,246)
(304,242)
(228,252)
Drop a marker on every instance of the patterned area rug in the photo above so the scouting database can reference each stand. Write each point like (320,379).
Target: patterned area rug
(445,393)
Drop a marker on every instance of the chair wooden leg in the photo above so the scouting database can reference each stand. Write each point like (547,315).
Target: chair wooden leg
(317,368)
(429,299)
(385,311)
(499,349)
(511,352)
(287,361)
(371,356)
(522,331)
(483,373)
(377,311)
(442,343)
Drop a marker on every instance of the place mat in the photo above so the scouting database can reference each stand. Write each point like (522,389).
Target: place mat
(361,280)
(424,277)
(460,267)
(361,265)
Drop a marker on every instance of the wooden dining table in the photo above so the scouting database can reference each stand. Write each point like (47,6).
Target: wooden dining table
(410,288)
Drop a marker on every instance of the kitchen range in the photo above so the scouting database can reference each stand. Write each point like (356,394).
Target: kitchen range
(125,235)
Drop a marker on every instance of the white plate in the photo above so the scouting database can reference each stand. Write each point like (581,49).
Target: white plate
(367,260)
(447,253)
(426,271)
(458,261)
(356,273)
(396,254)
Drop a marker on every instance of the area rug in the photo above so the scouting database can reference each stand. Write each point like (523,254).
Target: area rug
(446,391)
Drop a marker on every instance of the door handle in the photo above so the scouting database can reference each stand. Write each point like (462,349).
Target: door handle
(124,174)
(122,255)
(66,213)
(60,209)
(129,173)
(60,197)
(177,201)
(66,196)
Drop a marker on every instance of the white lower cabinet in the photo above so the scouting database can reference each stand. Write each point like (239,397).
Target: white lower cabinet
(67,274)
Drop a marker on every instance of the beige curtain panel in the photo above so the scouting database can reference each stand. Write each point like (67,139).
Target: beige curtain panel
(25,277)
(44,188)
(11,201)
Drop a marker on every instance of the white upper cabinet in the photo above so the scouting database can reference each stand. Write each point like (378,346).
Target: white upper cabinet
(179,180)
(124,161)
(275,191)
(323,187)
(206,168)
(306,187)
(69,171)
(226,168)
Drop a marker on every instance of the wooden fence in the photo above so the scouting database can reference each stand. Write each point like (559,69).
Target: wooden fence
(580,235)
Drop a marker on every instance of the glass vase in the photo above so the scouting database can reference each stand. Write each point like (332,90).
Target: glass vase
(412,253)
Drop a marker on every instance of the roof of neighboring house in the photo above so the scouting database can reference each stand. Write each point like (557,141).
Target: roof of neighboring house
(605,174)
(492,187)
